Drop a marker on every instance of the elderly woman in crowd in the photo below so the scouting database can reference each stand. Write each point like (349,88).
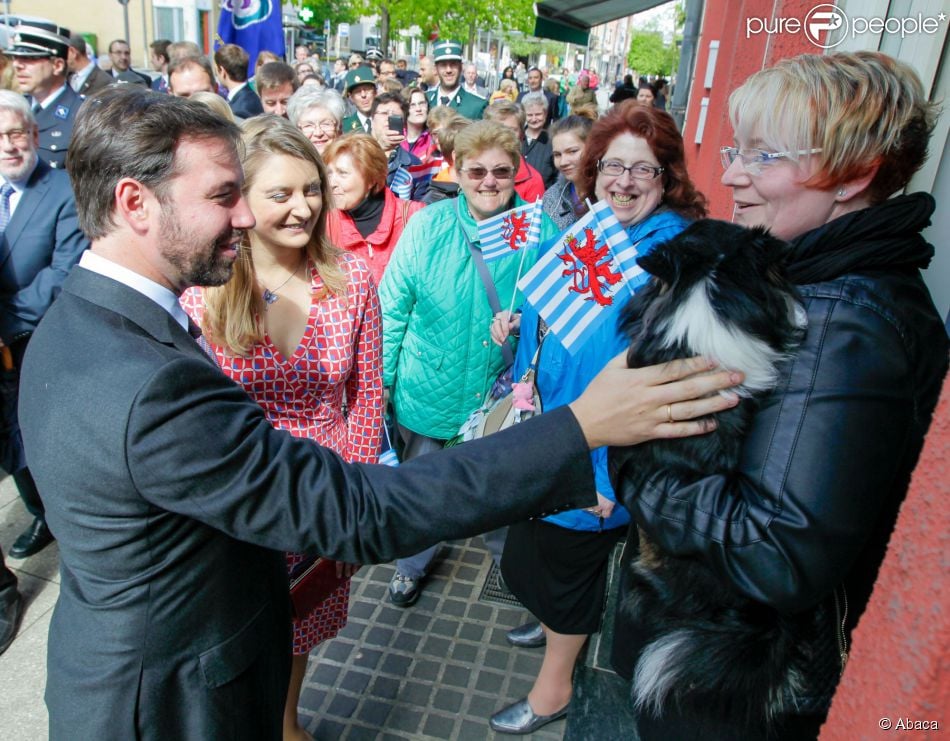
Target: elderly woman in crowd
(298,326)
(419,141)
(557,565)
(318,114)
(367,218)
(822,144)
(438,360)
(536,145)
(561,201)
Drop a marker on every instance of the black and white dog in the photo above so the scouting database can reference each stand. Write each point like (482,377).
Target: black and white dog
(718,290)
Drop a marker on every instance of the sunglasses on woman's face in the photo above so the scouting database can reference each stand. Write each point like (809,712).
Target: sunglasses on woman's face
(476,172)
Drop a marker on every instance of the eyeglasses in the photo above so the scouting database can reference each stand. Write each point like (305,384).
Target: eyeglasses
(638,171)
(477,172)
(326,127)
(15,136)
(753,160)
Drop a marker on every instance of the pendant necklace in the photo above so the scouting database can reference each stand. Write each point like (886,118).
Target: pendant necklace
(271,296)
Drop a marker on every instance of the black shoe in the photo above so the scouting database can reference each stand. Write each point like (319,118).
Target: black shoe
(404,590)
(520,719)
(32,540)
(527,636)
(10,617)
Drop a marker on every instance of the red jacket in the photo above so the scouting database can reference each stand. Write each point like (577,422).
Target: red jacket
(528,182)
(377,248)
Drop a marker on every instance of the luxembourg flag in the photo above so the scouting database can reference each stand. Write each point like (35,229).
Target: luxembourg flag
(591,267)
(506,233)
(254,25)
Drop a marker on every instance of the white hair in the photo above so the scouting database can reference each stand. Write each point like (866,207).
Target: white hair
(304,99)
(16,103)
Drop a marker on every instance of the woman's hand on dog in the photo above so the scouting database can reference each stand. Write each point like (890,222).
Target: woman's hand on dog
(628,406)
(504,323)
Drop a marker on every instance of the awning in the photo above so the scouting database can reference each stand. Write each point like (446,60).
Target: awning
(571,20)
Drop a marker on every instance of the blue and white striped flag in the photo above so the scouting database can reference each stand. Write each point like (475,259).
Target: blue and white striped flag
(254,25)
(590,267)
(509,232)
(401,183)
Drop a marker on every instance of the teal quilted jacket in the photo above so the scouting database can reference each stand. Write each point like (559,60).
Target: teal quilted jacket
(438,357)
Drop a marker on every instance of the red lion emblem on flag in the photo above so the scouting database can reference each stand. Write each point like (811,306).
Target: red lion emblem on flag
(514,229)
(588,267)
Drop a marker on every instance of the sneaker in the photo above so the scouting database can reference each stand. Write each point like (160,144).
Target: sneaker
(404,590)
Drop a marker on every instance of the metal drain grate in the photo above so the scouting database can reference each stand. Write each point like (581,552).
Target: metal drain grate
(493,590)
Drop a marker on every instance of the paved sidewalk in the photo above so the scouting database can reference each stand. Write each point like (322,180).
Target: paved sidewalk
(437,670)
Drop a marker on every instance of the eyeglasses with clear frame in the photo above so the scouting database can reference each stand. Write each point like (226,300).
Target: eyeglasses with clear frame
(478,173)
(639,171)
(326,127)
(753,160)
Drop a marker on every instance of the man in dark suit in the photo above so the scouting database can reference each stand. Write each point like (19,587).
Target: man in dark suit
(160,59)
(120,54)
(169,491)
(230,66)
(39,54)
(84,76)
(40,242)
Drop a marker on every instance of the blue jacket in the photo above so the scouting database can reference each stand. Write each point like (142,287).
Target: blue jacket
(562,377)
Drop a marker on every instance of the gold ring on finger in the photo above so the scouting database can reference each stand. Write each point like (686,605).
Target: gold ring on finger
(669,413)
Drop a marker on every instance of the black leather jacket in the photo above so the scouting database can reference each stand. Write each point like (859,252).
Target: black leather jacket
(828,458)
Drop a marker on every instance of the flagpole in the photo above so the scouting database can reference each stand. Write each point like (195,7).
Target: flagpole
(524,251)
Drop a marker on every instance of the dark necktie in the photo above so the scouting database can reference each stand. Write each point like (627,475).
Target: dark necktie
(6,190)
(444,99)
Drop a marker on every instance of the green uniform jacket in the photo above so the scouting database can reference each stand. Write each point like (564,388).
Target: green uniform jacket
(438,357)
(351,124)
(468,105)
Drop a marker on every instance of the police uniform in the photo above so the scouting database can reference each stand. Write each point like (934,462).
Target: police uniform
(55,124)
(467,104)
(36,40)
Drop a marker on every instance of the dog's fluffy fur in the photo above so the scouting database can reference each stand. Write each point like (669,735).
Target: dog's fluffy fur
(719,291)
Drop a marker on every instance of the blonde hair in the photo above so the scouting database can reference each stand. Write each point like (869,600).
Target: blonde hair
(864,110)
(234,315)
(215,102)
(480,136)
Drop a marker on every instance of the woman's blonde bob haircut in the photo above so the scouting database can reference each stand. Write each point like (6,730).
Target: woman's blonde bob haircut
(234,313)
(863,110)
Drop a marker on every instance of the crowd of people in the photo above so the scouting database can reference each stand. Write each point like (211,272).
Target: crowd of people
(238,292)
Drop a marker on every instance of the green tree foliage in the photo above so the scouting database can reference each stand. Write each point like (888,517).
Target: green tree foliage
(337,11)
(650,56)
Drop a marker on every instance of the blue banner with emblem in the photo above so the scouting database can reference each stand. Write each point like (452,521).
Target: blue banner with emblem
(254,25)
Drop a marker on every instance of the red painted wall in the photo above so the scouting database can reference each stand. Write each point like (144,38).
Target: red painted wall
(739,57)
(899,670)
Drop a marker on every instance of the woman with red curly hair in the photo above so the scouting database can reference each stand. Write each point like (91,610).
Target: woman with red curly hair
(557,566)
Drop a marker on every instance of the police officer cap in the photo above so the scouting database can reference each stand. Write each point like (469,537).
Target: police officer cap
(359,76)
(447,51)
(374,53)
(39,39)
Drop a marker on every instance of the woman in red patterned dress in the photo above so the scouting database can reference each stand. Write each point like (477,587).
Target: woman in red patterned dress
(298,326)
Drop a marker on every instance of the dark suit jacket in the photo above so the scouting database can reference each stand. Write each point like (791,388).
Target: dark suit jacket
(40,246)
(55,124)
(246,103)
(170,495)
(97,80)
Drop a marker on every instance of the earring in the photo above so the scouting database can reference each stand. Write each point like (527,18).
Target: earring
(841,192)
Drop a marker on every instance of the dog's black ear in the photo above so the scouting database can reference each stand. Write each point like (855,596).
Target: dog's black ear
(659,262)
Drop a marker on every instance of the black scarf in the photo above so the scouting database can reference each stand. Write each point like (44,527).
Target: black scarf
(367,215)
(882,237)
